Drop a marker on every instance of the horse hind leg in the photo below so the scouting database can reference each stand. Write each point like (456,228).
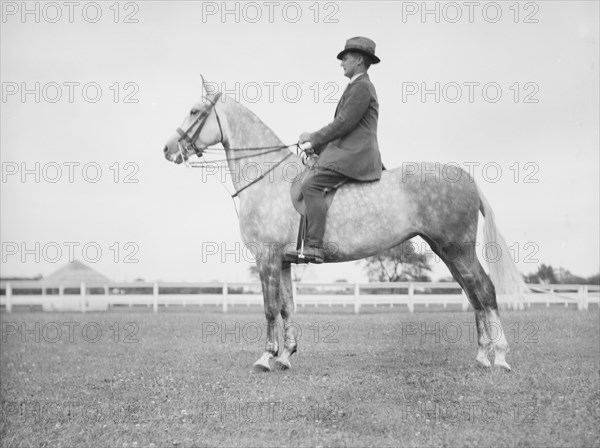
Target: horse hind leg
(290,345)
(471,290)
(496,333)
(462,273)
(270,280)
(489,329)
(483,339)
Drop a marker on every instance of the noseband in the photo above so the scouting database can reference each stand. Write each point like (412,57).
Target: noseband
(200,121)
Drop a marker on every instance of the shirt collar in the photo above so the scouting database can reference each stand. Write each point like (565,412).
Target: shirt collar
(355,77)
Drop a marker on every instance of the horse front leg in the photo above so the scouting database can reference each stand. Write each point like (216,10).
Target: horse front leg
(270,280)
(290,343)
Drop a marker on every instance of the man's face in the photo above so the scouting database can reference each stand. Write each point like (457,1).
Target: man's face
(350,64)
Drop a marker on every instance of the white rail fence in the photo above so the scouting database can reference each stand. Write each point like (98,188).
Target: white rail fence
(83,297)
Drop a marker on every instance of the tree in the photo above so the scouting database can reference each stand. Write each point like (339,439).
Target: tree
(400,263)
(545,274)
(594,279)
(254,274)
(564,276)
(297,272)
(447,279)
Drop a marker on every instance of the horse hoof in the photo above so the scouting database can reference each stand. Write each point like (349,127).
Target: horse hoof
(503,365)
(282,364)
(260,366)
(483,362)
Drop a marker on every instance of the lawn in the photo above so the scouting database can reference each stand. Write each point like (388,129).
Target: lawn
(183,378)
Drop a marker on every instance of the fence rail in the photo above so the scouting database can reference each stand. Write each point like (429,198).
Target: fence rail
(65,296)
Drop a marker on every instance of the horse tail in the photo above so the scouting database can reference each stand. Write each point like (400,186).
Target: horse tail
(507,280)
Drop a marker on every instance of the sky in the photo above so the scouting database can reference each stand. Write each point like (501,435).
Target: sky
(91,93)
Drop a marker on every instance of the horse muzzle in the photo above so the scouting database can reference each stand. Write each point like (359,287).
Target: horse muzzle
(175,157)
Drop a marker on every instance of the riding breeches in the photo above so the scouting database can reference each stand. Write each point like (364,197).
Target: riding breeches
(316,208)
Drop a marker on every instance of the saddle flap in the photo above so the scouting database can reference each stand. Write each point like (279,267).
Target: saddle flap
(296,192)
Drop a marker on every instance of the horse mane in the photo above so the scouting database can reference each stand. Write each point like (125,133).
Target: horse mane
(247,117)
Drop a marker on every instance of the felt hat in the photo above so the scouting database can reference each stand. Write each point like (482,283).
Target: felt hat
(362,45)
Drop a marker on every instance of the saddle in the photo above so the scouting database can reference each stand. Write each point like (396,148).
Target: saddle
(300,206)
(329,193)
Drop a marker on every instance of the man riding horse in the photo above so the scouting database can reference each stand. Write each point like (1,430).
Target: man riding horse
(366,219)
(347,147)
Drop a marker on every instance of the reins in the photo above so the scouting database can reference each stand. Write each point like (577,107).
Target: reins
(233,159)
(191,141)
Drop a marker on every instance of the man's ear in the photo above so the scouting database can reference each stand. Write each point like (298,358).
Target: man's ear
(359,58)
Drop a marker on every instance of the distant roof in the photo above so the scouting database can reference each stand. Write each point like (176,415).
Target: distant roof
(77,271)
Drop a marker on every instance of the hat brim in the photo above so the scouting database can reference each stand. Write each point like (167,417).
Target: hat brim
(374,59)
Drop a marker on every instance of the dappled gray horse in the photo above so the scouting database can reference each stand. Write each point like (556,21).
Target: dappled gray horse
(363,220)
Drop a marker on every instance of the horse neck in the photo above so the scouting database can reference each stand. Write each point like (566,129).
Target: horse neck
(243,129)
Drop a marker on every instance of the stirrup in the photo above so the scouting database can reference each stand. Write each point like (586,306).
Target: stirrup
(301,253)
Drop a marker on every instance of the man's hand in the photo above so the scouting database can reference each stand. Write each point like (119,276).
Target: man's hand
(305,144)
(307,148)
(304,137)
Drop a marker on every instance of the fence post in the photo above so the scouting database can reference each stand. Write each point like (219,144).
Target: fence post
(82,292)
(583,298)
(8,298)
(356,298)
(61,293)
(303,304)
(411,297)
(225,292)
(106,297)
(155,297)
(520,300)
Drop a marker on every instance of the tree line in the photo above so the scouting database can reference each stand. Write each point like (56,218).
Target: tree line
(402,264)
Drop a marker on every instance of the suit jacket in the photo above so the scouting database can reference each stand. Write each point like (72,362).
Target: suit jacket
(348,145)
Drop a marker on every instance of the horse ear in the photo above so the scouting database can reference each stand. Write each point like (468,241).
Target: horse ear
(204,92)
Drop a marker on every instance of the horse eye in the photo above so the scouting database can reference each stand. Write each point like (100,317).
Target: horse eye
(194,112)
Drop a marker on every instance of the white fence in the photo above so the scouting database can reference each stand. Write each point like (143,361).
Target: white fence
(83,297)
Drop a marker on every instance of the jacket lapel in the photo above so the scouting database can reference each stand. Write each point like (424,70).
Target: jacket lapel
(341,101)
(343,97)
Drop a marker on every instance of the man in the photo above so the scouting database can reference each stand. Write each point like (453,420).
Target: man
(347,147)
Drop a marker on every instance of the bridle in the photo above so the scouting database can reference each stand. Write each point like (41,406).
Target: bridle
(200,121)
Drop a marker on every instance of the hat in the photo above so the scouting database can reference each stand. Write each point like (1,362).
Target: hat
(362,45)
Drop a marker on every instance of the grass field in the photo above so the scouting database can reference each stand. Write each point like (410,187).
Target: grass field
(383,378)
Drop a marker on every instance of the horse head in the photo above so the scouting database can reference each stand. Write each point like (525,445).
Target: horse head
(200,129)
